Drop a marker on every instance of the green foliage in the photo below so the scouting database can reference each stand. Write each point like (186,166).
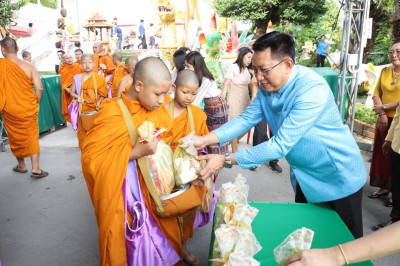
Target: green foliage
(6,10)
(365,114)
(382,44)
(33,1)
(49,3)
(295,11)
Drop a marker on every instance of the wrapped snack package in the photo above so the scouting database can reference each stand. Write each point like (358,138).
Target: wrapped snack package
(297,241)
(243,216)
(185,164)
(237,259)
(247,243)
(206,205)
(226,236)
(160,163)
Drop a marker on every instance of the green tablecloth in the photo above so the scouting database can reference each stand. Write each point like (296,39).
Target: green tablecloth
(275,221)
(331,77)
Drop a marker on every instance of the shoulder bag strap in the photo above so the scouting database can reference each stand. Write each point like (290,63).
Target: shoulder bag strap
(190,114)
(142,162)
(80,104)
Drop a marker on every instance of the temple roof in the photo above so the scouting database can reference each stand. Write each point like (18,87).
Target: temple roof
(97,21)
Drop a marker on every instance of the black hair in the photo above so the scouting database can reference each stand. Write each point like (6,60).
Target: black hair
(179,60)
(79,50)
(396,41)
(281,45)
(61,51)
(58,45)
(25,54)
(77,44)
(142,20)
(185,49)
(151,24)
(242,52)
(197,61)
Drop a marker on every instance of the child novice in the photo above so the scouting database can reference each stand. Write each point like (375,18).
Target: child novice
(106,154)
(92,90)
(185,90)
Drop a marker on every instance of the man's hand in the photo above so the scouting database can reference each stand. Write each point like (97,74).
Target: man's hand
(378,109)
(143,149)
(387,148)
(215,162)
(382,123)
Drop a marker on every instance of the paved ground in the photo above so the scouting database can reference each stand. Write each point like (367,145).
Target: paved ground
(50,221)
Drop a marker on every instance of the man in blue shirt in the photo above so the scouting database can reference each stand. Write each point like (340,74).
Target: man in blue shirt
(326,164)
(142,34)
(322,48)
(118,32)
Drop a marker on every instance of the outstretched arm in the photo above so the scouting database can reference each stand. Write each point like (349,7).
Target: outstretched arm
(378,244)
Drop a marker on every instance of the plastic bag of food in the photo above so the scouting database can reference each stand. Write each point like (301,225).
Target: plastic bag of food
(247,243)
(237,259)
(185,164)
(160,163)
(243,216)
(297,241)
(226,237)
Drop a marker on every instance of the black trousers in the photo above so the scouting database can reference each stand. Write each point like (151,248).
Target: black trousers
(395,167)
(349,209)
(144,44)
(260,134)
(321,60)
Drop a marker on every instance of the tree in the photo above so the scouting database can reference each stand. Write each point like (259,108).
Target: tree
(260,12)
(7,8)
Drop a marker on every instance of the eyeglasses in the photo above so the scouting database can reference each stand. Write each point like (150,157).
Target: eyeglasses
(265,72)
(394,52)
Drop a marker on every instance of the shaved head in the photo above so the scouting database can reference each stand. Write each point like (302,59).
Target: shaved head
(86,56)
(186,76)
(150,71)
(131,60)
(68,59)
(9,45)
(97,47)
(117,55)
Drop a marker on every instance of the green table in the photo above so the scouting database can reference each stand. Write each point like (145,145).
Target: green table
(275,221)
(331,77)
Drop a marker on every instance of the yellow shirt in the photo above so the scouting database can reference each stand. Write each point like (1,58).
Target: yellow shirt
(386,91)
(394,132)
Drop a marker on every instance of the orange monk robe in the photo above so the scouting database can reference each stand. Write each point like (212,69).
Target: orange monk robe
(168,98)
(119,73)
(90,101)
(61,68)
(2,87)
(180,129)
(105,157)
(105,60)
(20,113)
(67,76)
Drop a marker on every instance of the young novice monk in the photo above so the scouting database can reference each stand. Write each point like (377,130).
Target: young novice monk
(108,161)
(126,82)
(92,90)
(119,72)
(185,89)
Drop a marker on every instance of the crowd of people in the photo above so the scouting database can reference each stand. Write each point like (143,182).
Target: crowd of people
(291,107)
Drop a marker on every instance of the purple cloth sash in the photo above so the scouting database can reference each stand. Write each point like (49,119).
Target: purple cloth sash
(109,94)
(203,218)
(73,107)
(145,242)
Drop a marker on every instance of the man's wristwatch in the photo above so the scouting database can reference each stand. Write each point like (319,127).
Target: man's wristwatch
(228,162)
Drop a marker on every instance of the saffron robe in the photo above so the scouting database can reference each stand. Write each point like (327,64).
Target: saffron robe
(105,60)
(91,100)
(119,73)
(2,86)
(105,157)
(67,76)
(20,112)
(180,129)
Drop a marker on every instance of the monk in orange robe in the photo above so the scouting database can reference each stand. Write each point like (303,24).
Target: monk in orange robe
(2,87)
(108,149)
(119,72)
(21,108)
(89,99)
(126,82)
(102,60)
(67,75)
(185,88)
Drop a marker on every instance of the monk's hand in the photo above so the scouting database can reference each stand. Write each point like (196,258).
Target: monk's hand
(386,148)
(68,90)
(80,100)
(215,162)
(143,149)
